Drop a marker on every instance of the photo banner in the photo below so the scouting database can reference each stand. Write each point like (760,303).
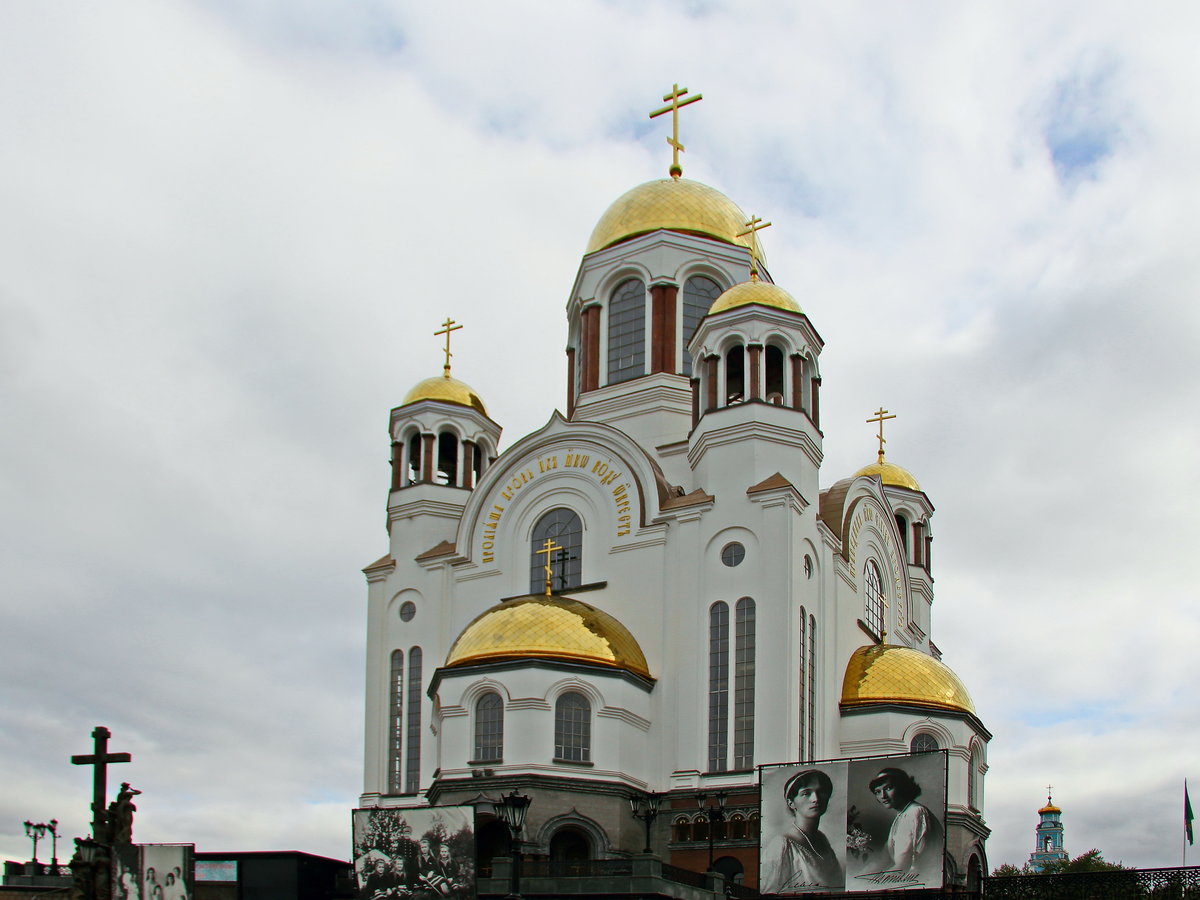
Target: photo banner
(872,824)
(153,871)
(424,852)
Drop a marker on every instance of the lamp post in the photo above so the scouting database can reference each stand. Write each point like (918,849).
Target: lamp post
(85,865)
(512,808)
(52,827)
(645,807)
(37,832)
(713,814)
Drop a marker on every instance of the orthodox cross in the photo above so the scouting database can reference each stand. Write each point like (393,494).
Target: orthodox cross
(99,759)
(1049,787)
(448,326)
(549,548)
(881,416)
(753,227)
(674,102)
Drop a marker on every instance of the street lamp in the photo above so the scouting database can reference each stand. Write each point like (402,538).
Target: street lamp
(85,865)
(52,827)
(512,808)
(713,814)
(645,807)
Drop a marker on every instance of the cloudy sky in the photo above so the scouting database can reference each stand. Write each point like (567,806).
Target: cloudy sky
(228,229)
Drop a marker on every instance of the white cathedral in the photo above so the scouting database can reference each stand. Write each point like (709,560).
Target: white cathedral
(711,608)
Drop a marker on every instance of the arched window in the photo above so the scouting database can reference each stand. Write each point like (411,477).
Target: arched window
(743,685)
(681,829)
(812,686)
(718,686)
(566,528)
(414,459)
(573,728)
(412,769)
(698,296)
(396,715)
(774,382)
(902,526)
(924,743)
(803,692)
(873,597)
(738,827)
(735,375)
(973,792)
(447,458)
(627,331)
(569,849)
(489,728)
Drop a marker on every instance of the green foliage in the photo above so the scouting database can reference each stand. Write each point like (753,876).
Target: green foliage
(1006,869)
(1092,861)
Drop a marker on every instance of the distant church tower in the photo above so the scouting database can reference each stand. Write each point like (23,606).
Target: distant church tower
(1049,837)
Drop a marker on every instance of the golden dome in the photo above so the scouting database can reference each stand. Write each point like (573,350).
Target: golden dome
(541,627)
(890,474)
(892,674)
(1049,808)
(446,390)
(760,292)
(673,204)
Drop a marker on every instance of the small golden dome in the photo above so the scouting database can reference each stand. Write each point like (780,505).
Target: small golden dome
(760,292)
(886,673)
(890,474)
(1049,808)
(445,389)
(675,205)
(541,627)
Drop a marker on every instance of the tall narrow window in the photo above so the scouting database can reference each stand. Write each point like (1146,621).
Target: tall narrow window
(627,331)
(718,687)
(573,727)
(812,686)
(566,528)
(803,693)
(735,375)
(447,458)
(873,598)
(698,296)
(414,459)
(773,381)
(412,769)
(973,791)
(489,728)
(743,685)
(396,714)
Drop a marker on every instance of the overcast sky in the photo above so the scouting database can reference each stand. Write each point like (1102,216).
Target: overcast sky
(229,229)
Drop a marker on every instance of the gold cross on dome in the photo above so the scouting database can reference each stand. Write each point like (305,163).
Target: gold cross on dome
(548,549)
(448,326)
(674,102)
(881,416)
(753,227)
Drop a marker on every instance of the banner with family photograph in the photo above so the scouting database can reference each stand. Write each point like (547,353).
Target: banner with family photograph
(422,854)
(870,824)
(153,871)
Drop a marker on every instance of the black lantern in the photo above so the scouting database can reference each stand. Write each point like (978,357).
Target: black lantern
(645,807)
(512,809)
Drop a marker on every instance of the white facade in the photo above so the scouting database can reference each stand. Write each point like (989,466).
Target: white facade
(665,471)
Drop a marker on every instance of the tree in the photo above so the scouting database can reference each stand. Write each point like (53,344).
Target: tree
(1092,861)
(1006,869)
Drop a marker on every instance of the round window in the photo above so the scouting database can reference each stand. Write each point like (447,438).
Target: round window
(408,609)
(733,554)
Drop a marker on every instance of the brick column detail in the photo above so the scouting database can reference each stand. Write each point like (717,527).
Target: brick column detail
(397,465)
(427,442)
(570,382)
(797,381)
(468,472)
(591,350)
(711,363)
(816,402)
(756,352)
(662,327)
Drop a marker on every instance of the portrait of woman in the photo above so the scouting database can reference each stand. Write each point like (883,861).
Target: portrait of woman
(800,859)
(915,840)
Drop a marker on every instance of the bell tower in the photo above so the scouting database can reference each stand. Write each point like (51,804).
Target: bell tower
(1049,836)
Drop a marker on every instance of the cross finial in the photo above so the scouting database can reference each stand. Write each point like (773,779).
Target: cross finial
(448,326)
(881,416)
(753,227)
(674,101)
(548,548)
(1049,793)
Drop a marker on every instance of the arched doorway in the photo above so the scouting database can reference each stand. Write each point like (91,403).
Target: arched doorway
(491,840)
(974,875)
(570,849)
(730,867)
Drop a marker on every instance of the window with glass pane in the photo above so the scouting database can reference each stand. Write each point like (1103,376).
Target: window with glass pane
(698,296)
(718,687)
(566,528)
(873,598)
(743,685)
(924,743)
(812,686)
(489,728)
(803,680)
(396,710)
(412,772)
(627,331)
(573,727)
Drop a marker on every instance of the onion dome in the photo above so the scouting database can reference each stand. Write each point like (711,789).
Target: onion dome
(889,473)
(887,673)
(761,292)
(1049,808)
(553,628)
(673,204)
(445,389)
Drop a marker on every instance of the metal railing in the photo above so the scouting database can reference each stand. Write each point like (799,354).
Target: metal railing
(1119,884)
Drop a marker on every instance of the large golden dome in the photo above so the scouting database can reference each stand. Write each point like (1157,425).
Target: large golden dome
(760,292)
(890,474)
(446,390)
(885,673)
(541,627)
(675,205)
